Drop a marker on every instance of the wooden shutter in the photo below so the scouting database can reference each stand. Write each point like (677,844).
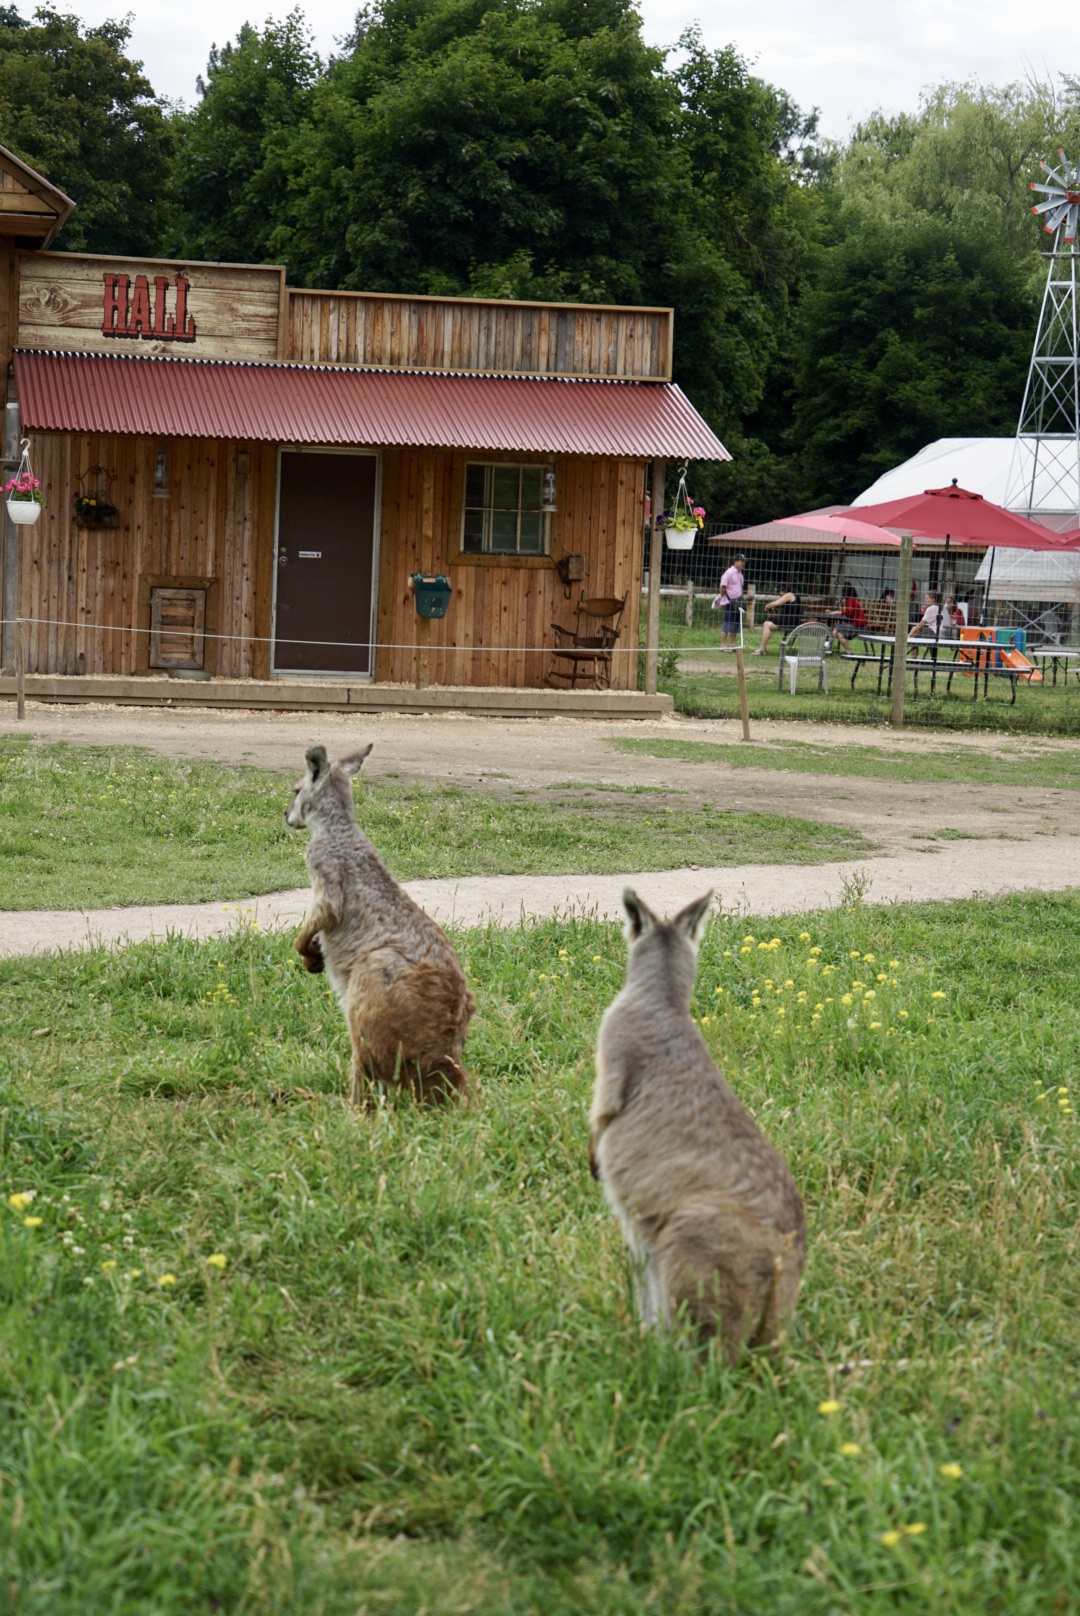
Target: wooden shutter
(177,628)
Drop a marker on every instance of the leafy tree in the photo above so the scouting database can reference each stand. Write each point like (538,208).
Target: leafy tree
(916,329)
(231,169)
(75,106)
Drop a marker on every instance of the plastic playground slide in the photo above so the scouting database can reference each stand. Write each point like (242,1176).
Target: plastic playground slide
(1003,649)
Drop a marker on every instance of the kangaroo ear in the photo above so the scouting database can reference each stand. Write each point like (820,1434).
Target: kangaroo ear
(639,917)
(316,760)
(355,760)
(692,921)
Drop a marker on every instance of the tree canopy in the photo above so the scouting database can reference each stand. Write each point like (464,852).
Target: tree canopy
(75,107)
(835,307)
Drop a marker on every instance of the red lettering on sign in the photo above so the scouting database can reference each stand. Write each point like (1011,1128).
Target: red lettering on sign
(114,317)
(139,322)
(185,325)
(132,316)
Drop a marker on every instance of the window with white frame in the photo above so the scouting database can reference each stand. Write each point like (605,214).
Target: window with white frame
(504,511)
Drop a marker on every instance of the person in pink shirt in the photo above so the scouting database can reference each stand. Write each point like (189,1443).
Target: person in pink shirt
(730,599)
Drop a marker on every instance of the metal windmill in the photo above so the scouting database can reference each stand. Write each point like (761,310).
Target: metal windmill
(1045,471)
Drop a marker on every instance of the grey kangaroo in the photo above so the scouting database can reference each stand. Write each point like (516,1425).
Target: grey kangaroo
(395,972)
(709,1209)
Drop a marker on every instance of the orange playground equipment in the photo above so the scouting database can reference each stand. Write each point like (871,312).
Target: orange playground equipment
(995,650)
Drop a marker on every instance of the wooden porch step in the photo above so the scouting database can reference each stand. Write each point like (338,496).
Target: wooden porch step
(315,695)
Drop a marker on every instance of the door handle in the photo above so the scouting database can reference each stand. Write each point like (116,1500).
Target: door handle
(283,560)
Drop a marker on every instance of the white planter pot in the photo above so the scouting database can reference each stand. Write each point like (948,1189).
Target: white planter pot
(680,538)
(23,512)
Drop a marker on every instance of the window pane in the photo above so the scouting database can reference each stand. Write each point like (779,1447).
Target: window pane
(472,538)
(532,533)
(474,485)
(505,488)
(532,487)
(504,532)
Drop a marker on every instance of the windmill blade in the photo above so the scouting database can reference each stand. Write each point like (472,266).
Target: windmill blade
(1054,175)
(1054,218)
(1054,201)
(1047,190)
(1070,226)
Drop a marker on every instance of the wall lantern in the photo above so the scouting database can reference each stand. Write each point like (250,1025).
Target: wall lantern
(160,489)
(548,505)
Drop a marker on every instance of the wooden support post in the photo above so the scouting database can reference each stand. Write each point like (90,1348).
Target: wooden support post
(9,559)
(899,664)
(20,669)
(690,603)
(744,707)
(427,560)
(656,551)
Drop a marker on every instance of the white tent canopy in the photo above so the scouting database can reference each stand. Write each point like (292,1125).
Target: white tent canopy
(1030,575)
(981,465)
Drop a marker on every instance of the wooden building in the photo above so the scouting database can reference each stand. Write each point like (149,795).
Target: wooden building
(242,478)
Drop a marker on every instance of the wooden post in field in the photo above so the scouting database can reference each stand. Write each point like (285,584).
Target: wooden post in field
(427,553)
(899,662)
(690,603)
(656,551)
(20,669)
(744,709)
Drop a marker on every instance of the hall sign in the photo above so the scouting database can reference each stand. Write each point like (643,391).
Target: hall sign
(79,302)
(140,308)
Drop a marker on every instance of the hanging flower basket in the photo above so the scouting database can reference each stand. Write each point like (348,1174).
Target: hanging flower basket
(23,491)
(683,522)
(92,506)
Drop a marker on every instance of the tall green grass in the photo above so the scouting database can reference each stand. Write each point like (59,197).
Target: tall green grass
(418,1383)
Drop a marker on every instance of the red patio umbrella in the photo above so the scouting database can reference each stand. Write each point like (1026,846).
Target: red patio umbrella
(847,526)
(957,515)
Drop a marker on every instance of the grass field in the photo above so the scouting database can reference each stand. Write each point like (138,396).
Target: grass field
(1038,711)
(262,1355)
(1053,767)
(93,827)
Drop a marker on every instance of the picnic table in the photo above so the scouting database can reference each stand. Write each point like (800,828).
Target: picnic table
(949,656)
(1064,656)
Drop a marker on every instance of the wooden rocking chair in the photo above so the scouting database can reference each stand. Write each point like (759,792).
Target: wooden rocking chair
(582,656)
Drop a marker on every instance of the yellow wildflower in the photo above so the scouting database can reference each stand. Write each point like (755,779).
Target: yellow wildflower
(109,1264)
(894,965)
(167,1279)
(814,952)
(854,954)
(829,1406)
(746,951)
(891,1539)
(21,1200)
(850,1449)
(846,998)
(915,1529)
(1063,1090)
(749,939)
(133,1273)
(951,1472)
(938,994)
(868,959)
(874,1024)
(33,1223)
(217,1259)
(804,937)
(564,953)
(869,994)
(596,959)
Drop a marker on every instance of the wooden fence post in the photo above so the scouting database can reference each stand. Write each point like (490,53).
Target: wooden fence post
(899,662)
(20,669)
(656,550)
(690,603)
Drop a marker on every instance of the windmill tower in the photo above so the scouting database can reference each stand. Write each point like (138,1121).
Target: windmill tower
(1045,472)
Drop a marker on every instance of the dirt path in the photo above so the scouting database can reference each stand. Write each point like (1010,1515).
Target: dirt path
(528,754)
(957,871)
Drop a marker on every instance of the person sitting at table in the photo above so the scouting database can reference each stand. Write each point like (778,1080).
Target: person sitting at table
(785,614)
(935,620)
(956,612)
(853,616)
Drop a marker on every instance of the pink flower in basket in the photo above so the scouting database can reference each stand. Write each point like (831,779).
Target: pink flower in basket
(23,487)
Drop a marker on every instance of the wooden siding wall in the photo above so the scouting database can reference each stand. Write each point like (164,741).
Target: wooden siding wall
(500,606)
(462,334)
(218,523)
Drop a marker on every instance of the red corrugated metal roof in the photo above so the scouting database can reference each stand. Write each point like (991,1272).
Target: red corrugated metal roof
(284,403)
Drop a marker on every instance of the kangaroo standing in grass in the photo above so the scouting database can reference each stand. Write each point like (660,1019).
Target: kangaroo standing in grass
(395,971)
(709,1209)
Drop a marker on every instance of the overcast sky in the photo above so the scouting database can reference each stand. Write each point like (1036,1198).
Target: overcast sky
(844,56)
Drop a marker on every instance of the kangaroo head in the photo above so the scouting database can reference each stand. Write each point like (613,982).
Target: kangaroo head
(665,950)
(325,786)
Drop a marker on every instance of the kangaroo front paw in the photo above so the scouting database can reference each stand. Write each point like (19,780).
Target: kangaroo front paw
(312,955)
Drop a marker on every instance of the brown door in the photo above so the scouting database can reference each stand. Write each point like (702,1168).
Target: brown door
(325,563)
